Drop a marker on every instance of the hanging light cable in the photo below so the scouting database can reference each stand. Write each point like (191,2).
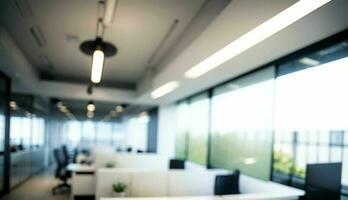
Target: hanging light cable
(97,48)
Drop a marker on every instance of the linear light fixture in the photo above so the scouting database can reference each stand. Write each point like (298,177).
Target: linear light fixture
(255,36)
(165,89)
(309,61)
(97,66)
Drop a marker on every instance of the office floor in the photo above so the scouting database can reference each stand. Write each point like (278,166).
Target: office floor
(37,188)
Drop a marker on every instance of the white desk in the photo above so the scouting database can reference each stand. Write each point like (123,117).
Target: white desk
(79,168)
(82,180)
(260,196)
(169,198)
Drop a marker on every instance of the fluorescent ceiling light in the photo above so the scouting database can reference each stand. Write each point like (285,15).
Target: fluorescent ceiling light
(309,61)
(255,36)
(97,66)
(165,89)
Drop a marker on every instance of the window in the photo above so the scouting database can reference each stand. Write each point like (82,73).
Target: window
(198,129)
(182,130)
(88,134)
(137,133)
(38,133)
(242,113)
(104,131)
(74,132)
(311,105)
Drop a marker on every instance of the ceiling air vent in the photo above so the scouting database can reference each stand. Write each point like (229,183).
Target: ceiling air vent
(24,8)
(38,36)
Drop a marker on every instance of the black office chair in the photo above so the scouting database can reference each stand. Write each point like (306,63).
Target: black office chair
(61,173)
(227,184)
(66,154)
(323,181)
(176,164)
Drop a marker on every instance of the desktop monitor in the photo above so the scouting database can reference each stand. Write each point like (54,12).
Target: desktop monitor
(323,181)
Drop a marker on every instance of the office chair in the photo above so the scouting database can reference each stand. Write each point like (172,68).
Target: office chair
(176,164)
(61,173)
(227,184)
(66,154)
(323,181)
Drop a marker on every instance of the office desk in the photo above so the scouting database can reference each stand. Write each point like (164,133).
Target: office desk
(260,196)
(79,168)
(83,180)
(169,198)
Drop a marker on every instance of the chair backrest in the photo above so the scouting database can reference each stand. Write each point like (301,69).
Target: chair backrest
(227,184)
(65,155)
(176,164)
(59,158)
(323,181)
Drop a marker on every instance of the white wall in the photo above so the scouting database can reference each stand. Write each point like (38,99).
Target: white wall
(166,130)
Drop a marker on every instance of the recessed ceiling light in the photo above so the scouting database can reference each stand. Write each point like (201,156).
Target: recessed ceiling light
(165,89)
(255,36)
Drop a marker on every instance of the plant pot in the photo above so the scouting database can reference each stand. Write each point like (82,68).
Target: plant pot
(119,194)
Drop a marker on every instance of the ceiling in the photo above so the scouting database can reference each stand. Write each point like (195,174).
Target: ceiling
(209,26)
(103,109)
(138,29)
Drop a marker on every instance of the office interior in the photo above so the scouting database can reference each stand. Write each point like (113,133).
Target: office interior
(173,99)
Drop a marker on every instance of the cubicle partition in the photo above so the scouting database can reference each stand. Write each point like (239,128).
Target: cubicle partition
(178,183)
(130,160)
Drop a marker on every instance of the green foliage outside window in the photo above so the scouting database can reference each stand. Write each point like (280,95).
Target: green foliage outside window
(180,145)
(284,163)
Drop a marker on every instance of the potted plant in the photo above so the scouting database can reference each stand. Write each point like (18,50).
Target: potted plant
(110,164)
(119,189)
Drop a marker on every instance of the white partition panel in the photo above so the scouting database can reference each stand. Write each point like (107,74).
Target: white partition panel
(129,160)
(149,184)
(143,161)
(107,177)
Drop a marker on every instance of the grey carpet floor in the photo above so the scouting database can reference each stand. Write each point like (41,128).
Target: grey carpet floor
(37,188)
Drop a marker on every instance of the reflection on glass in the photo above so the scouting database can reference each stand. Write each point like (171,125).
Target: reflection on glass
(242,113)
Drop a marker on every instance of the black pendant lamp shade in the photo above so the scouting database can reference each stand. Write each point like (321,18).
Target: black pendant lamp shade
(88,47)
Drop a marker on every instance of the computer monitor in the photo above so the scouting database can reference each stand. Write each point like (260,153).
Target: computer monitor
(323,181)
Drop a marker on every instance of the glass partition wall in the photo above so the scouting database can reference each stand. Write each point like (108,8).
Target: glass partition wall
(4,134)
(272,122)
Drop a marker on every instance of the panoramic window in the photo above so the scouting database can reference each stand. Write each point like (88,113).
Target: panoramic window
(311,114)
(182,130)
(198,129)
(242,113)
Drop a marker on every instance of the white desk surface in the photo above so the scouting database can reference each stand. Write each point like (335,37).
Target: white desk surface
(80,168)
(261,196)
(168,198)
